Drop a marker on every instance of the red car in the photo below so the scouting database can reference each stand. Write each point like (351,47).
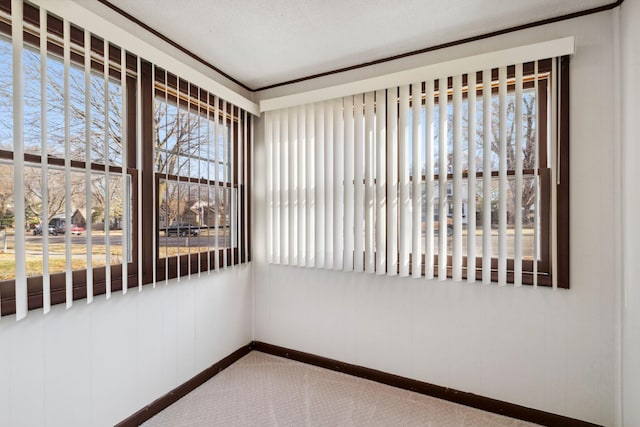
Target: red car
(76,229)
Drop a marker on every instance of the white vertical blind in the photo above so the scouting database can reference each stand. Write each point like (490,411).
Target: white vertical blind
(350,168)
(404,231)
(426,181)
(392,182)
(226,148)
(18,167)
(270,184)
(310,185)
(359,218)
(457,179)
(502,174)
(320,167)
(292,194)
(107,197)
(381,182)
(370,190)
(329,184)
(486,177)
(67,160)
(338,193)
(301,187)
(443,170)
(429,263)
(209,162)
(416,176)
(44,217)
(517,267)
(139,167)
(553,158)
(471,185)
(124,177)
(87,147)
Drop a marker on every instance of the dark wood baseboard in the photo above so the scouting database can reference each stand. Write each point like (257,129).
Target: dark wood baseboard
(469,399)
(182,390)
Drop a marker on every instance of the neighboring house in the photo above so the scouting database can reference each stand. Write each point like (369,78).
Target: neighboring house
(79,217)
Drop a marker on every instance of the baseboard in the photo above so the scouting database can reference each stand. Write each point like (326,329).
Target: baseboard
(182,390)
(469,399)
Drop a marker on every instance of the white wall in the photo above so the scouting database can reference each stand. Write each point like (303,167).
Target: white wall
(94,365)
(630,55)
(545,349)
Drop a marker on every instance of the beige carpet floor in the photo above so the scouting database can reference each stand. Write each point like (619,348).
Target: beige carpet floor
(264,390)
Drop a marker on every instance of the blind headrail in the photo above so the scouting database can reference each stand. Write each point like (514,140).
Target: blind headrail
(495,59)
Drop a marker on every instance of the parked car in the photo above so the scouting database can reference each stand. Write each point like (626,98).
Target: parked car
(76,229)
(182,229)
(53,231)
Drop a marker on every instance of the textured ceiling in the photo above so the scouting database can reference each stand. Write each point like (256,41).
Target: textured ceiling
(263,42)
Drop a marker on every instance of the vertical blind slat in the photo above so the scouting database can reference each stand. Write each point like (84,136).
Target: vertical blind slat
(218,188)
(404,205)
(277,191)
(18,168)
(443,169)
(486,176)
(381,182)
(329,184)
(139,167)
(302,199)
(429,259)
(107,197)
(392,182)
(416,173)
(517,273)
(359,183)
(310,148)
(553,157)
(457,179)
(270,152)
(471,186)
(284,188)
(87,147)
(46,279)
(208,139)
(226,147)
(124,189)
(67,159)
(338,195)
(349,189)
(320,151)
(370,201)
(502,173)
(292,223)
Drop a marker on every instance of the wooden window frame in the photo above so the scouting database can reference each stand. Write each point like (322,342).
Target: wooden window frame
(544,268)
(185,95)
(35,293)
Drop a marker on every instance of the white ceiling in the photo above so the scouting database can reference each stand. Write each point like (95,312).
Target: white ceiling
(263,42)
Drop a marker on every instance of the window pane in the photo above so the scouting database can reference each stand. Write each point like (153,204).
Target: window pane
(6,96)
(7,233)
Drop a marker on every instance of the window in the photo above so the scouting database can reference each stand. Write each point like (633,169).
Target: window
(78,129)
(463,177)
(198,163)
